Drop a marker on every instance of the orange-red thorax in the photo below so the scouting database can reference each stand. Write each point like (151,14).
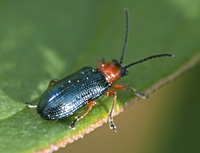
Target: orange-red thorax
(111,70)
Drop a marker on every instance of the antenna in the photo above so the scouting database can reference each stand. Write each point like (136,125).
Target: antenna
(148,58)
(126,37)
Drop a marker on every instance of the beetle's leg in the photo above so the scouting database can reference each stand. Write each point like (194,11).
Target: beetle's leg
(89,105)
(30,105)
(100,62)
(112,92)
(52,81)
(124,87)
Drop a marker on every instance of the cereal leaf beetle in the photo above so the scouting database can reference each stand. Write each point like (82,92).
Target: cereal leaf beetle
(63,97)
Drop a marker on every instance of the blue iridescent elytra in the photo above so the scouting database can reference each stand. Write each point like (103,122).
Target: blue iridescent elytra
(71,93)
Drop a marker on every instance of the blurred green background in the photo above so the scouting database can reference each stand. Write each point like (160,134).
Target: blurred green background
(50,39)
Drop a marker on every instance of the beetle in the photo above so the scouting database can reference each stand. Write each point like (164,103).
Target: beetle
(82,88)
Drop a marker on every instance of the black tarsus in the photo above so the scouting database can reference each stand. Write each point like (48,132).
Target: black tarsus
(148,58)
(126,37)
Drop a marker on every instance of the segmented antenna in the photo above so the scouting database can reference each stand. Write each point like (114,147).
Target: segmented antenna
(148,58)
(126,37)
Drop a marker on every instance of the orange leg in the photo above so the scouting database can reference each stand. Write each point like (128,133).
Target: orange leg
(124,87)
(90,105)
(52,81)
(112,92)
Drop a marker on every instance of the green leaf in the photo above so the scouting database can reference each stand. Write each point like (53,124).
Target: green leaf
(41,40)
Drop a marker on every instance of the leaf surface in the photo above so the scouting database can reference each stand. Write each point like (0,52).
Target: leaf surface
(41,40)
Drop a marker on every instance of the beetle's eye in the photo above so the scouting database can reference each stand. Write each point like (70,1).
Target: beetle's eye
(116,61)
(125,72)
